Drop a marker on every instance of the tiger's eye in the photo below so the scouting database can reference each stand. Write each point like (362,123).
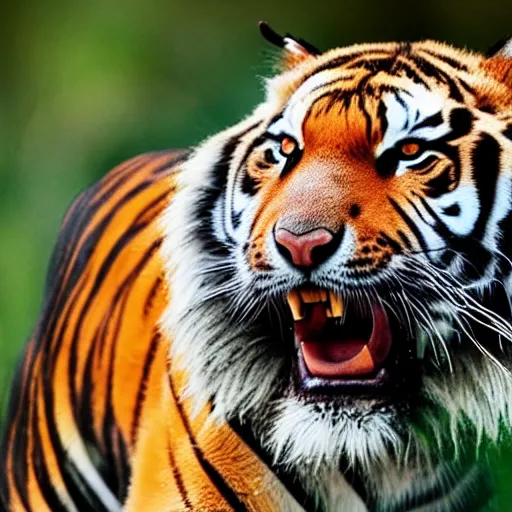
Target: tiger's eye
(288,146)
(410,148)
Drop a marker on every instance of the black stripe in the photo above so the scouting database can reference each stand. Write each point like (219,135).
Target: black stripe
(148,303)
(391,242)
(403,65)
(224,489)
(461,123)
(425,165)
(344,78)
(141,393)
(430,122)
(446,181)
(404,238)
(452,210)
(213,188)
(308,502)
(169,167)
(74,489)
(123,467)
(85,414)
(368,118)
(250,187)
(439,226)
(476,257)
(178,479)
(505,245)
(335,63)
(410,224)
(507,132)
(38,458)
(110,428)
(434,71)
(103,271)
(419,213)
(454,63)
(485,159)
(19,444)
(374,63)
(85,418)
(381,113)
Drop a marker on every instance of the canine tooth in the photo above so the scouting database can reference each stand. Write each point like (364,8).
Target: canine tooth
(295,305)
(336,307)
(311,296)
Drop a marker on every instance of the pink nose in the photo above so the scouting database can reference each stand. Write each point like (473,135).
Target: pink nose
(300,247)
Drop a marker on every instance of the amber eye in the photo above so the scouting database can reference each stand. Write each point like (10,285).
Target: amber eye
(410,148)
(288,146)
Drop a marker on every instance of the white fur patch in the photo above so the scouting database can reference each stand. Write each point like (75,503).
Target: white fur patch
(406,109)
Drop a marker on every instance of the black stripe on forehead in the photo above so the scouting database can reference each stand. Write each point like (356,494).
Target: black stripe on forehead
(343,98)
(431,70)
(343,60)
(408,68)
(446,59)
(404,60)
(430,122)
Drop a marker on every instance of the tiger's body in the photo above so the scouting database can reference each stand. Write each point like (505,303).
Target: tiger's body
(162,376)
(107,276)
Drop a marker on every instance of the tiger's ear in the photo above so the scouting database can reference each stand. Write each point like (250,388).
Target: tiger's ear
(499,63)
(502,48)
(295,50)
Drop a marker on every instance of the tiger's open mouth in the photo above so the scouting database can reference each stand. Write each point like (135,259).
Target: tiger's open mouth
(345,345)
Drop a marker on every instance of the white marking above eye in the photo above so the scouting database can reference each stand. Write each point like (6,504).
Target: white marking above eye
(406,109)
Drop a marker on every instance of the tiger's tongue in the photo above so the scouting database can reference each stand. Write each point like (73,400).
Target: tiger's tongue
(328,356)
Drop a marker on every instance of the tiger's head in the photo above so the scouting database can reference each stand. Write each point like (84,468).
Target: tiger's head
(340,261)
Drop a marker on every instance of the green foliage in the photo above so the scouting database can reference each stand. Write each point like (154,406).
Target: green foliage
(86,85)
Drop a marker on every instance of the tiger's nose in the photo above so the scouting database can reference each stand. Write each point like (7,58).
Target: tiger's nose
(307,249)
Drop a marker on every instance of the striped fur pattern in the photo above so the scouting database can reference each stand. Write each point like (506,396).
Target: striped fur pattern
(160,374)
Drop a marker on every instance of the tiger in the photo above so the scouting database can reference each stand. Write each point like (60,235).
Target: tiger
(309,311)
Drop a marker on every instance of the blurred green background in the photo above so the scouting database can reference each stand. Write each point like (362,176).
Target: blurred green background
(84,86)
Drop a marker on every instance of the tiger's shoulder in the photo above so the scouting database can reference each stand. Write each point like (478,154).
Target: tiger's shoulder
(96,349)
(142,186)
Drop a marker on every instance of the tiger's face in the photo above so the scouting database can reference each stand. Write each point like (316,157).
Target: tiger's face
(344,270)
